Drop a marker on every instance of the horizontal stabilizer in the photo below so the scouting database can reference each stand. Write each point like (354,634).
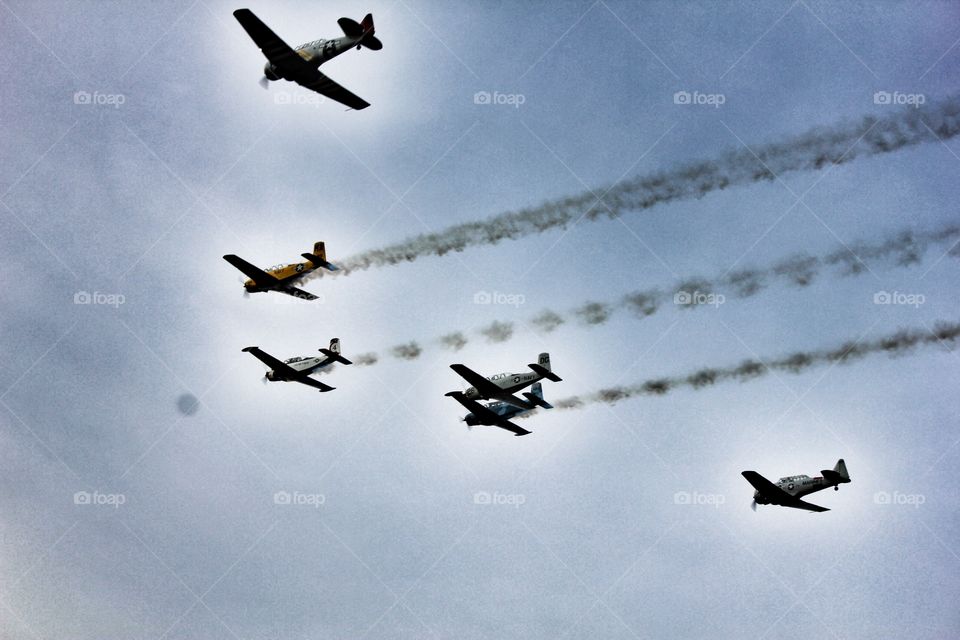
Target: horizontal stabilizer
(336,357)
(544,372)
(320,262)
(537,400)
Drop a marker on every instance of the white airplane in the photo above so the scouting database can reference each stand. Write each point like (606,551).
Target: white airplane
(502,386)
(300,65)
(299,369)
(788,490)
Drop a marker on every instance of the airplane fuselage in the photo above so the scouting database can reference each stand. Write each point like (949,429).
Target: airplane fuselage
(305,364)
(316,53)
(798,486)
(509,382)
(505,410)
(285,273)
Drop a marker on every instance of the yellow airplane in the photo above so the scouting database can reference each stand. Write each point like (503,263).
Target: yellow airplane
(279,277)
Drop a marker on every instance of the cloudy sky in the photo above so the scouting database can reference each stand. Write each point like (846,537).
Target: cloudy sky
(138,149)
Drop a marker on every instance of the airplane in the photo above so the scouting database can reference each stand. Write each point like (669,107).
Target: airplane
(503,385)
(498,414)
(788,491)
(279,277)
(300,65)
(299,369)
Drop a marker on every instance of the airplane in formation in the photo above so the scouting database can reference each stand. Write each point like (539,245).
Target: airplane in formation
(502,386)
(788,491)
(499,414)
(301,65)
(279,277)
(298,369)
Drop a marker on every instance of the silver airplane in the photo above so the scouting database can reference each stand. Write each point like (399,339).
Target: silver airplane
(502,386)
(788,491)
(300,65)
(299,369)
(498,414)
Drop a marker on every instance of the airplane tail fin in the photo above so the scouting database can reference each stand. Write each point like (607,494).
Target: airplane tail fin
(543,368)
(319,257)
(334,352)
(838,474)
(363,29)
(535,396)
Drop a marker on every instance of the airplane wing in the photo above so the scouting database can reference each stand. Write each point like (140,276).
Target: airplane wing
(259,276)
(276,50)
(286,370)
(296,293)
(486,415)
(323,85)
(486,388)
(776,495)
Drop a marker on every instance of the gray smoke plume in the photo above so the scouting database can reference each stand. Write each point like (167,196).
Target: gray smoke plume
(894,344)
(498,331)
(366,359)
(453,341)
(811,151)
(408,351)
(593,313)
(547,321)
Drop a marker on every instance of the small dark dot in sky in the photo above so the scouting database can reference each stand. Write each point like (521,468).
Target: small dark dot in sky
(188,404)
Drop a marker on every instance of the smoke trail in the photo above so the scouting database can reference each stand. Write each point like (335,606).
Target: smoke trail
(593,313)
(453,341)
(893,344)
(547,321)
(498,331)
(409,351)
(811,151)
(366,359)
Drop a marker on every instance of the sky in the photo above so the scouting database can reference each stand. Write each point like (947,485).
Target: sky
(151,486)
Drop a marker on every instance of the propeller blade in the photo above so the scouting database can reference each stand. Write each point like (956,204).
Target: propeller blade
(753,505)
(264,82)
(264,380)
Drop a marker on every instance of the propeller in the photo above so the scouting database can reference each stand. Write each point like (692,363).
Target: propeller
(753,505)
(264,379)
(264,82)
